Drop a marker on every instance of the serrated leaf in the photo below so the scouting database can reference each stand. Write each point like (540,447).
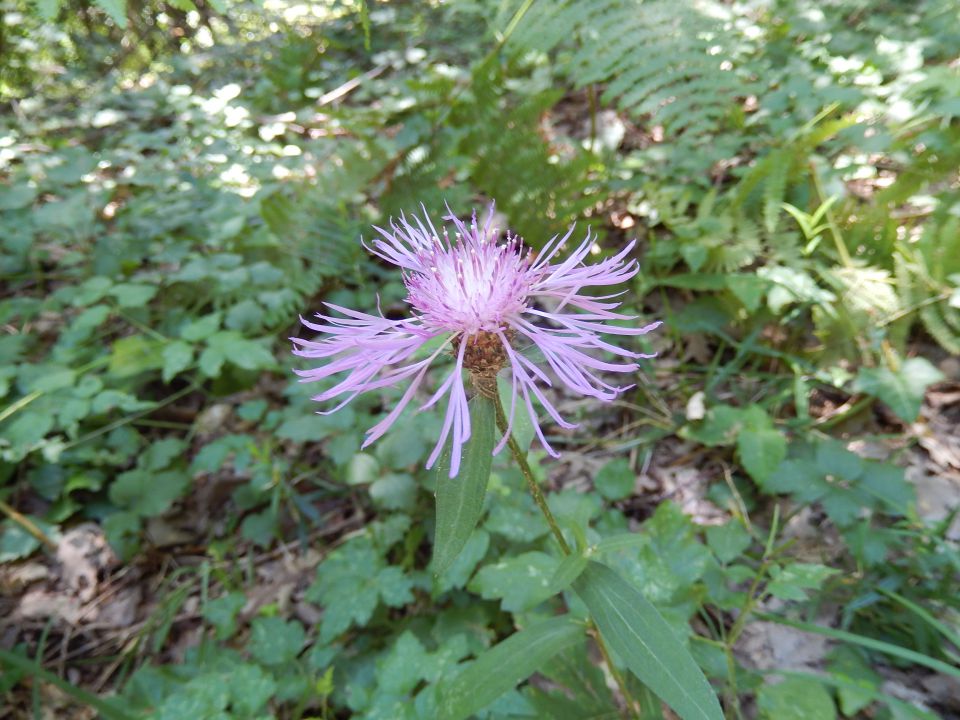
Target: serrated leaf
(902,391)
(520,582)
(791,581)
(505,665)
(275,641)
(834,459)
(230,346)
(637,633)
(222,613)
(728,541)
(460,499)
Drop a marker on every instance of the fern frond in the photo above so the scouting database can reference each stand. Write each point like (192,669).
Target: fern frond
(657,58)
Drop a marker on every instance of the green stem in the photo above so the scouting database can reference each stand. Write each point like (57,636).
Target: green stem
(541,501)
(521,459)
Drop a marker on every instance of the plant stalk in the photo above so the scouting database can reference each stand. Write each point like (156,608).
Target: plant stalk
(28,525)
(541,501)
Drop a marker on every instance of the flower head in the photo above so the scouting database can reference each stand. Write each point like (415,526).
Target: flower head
(485,299)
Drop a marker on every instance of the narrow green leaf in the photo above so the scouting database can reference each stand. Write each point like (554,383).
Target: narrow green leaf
(637,633)
(867,642)
(620,541)
(567,571)
(105,707)
(924,615)
(460,499)
(506,664)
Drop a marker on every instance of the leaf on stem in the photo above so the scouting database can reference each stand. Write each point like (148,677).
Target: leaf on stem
(506,664)
(637,633)
(460,499)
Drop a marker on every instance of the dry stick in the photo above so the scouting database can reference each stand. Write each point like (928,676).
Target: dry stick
(27,524)
(541,501)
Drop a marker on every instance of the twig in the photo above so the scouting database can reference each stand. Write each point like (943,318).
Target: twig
(27,524)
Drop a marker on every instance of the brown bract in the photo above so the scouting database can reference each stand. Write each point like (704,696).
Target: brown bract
(484,354)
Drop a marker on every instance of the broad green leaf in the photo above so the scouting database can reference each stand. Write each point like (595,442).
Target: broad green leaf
(362,469)
(275,641)
(719,427)
(133,355)
(637,633)
(14,197)
(901,391)
(859,682)
(616,479)
(222,613)
(621,541)
(132,295)
(761,446)
(459,572)
(795,699)
(506,664)
(230,346)
(250,688)
(201,328)
(116,9)
(15,542)
(791,581)
(145,493)
(834,459)
(27,429)
(728,541)
(177,357)
(460,499)
(520,582)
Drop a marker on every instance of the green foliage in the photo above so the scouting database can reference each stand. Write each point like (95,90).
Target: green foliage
(646,643)
(505,665)
(656,59)
(179,182)
(795,699)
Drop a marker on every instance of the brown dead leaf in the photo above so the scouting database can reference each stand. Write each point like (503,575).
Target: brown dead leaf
(84,556)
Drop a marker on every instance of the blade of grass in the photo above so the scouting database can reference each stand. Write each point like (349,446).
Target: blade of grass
(878,645)
(29,667)
(925,615)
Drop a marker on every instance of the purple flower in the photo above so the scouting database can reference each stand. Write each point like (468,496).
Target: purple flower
(482,301)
